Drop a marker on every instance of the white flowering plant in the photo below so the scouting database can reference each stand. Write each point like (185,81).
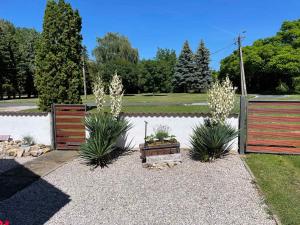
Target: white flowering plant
(221,100)
(116,93)
(99,92)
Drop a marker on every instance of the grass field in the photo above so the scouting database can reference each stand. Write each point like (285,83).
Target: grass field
(160,103)
(279,178)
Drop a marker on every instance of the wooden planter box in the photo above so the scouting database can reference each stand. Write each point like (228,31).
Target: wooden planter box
(161,149)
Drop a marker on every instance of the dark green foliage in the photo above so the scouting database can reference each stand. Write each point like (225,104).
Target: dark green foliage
(114,46)
(126,70)
(153,77)
(8,60)
(26,40)
(202,76)
(269,62)
(184,70)
(58,58)
(211,140)
(105,133)
(17,53)
(114,53)
(156,74)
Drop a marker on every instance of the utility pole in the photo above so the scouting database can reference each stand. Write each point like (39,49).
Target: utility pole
(84,78)
(243,80)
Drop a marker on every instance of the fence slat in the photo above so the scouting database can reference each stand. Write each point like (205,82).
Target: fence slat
(255,119)
(265,149)
(274,126)
(279,133)
(273,111)
(270,142)
(69,126)
(262,134)
(70,113)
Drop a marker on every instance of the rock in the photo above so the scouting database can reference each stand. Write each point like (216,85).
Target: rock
(36,152)
(12,152)
(41,146)
(34,148)
(45,150)
(26,151)
(20,152)
(161,162)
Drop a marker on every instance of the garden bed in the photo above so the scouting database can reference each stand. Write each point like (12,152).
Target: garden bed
(159,148)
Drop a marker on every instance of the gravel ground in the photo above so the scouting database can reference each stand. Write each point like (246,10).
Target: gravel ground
(192,193)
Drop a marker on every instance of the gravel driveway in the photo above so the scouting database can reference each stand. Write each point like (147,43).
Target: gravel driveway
(192,193)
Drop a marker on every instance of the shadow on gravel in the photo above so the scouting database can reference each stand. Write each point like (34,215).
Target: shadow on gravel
(25,198)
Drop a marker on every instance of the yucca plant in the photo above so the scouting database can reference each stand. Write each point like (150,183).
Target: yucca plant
(101,146)
(211,140)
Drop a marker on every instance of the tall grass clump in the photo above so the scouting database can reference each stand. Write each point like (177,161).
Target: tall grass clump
(214,138)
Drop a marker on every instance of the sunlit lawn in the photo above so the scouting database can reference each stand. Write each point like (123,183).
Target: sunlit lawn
(279,178)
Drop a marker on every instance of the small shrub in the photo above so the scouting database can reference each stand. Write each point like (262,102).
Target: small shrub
(211,140)
(162,132)
(102,145)
(282,88)
(28,140)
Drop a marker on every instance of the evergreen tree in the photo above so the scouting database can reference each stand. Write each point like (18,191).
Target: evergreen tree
(184,70)
(8,59)
(26,41)
(202,77)
(58,58)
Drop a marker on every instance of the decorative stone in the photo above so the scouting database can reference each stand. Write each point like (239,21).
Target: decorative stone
(45,150)
(36,152)
(17,149)
(20,152)
(162,161)
(12,152)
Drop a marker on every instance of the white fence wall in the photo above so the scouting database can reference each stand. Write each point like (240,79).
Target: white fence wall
(19,125)
(181,127)
(39,127)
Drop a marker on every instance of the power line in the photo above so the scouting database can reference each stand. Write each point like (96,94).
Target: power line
(221,49)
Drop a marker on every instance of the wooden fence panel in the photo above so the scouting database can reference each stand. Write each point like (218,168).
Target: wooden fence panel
(68,124)
(273,127)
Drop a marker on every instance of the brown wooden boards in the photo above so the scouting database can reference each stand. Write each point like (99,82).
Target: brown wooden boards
(68,124)
(273,127)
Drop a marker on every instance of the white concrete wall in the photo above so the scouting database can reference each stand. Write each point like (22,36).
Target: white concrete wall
(39,127)
(18,126)
(181,127)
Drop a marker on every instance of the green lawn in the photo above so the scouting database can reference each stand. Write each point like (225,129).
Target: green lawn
(170,102)
(158,98)
(279,178)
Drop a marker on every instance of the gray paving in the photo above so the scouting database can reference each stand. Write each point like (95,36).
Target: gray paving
(20,176)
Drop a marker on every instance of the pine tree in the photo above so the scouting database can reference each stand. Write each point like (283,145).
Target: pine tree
(58,57)
(202,76)
(184,70)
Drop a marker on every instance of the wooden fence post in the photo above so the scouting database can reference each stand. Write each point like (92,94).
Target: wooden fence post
(52,126)
(243,124)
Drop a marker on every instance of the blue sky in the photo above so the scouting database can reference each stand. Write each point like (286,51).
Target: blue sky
(166,23)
